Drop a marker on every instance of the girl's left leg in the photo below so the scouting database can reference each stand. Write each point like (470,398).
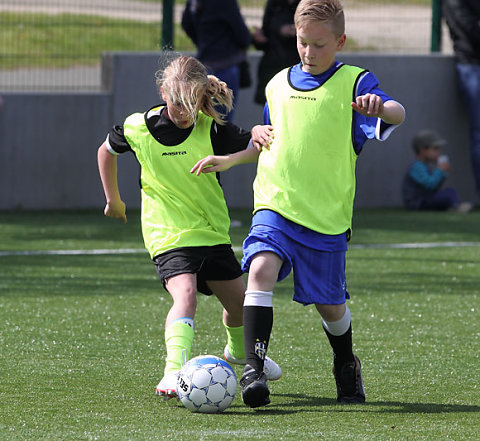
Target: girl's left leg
(231,294)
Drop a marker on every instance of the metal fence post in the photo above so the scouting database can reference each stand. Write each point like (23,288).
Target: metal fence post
(167,24)
(436,40)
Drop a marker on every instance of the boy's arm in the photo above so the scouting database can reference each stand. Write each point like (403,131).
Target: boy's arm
(393,113)
(371,105)
(107,166)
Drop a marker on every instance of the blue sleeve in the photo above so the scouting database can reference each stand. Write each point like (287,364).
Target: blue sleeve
(426,179)
(364,127)
(266,115)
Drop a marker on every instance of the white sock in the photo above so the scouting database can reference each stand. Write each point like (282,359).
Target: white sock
(340,326)
(258,298)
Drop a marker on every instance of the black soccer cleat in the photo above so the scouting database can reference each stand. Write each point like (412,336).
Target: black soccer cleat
(350,389)
(254,387)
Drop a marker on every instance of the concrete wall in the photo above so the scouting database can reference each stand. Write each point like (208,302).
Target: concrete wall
(48,142)
(48,146)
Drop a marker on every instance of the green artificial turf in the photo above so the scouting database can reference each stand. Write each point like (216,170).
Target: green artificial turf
(81,337)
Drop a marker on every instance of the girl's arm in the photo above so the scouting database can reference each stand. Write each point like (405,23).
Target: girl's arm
(107,165)
(262,137)
(213,163)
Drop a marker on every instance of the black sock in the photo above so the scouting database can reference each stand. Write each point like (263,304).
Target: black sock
(342,347)
(257,326)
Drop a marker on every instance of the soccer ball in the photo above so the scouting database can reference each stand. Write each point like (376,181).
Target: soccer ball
(206,384)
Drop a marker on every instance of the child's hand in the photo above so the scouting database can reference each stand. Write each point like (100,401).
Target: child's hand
(116,209)
(211,164)
(262,136)
(370,105)
(288,30)
(258,36)
(445,166)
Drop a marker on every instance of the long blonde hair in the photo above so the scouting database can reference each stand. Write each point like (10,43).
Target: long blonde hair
(186,82)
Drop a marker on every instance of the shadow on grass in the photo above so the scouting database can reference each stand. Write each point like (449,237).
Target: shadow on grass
(297,403)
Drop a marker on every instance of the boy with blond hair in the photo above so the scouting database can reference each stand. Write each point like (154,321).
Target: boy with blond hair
(322,112)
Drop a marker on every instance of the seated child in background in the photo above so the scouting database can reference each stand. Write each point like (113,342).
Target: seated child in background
(424,178)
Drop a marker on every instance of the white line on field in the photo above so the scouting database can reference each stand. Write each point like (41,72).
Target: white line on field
(73,252)
(416,245)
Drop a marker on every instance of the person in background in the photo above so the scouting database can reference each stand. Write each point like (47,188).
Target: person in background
(463,20)
(222,38)
(422,185)
(277,39)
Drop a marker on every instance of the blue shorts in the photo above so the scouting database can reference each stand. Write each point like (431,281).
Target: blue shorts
(319,276)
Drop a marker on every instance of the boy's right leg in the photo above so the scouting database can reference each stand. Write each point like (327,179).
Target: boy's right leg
(258,321)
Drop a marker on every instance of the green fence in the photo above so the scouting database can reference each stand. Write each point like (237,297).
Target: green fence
(56,45)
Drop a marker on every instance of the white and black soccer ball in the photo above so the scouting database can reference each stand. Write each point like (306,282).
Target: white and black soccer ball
(206,384)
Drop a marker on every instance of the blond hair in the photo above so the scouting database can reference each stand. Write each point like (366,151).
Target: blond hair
(329,11)
(186,82)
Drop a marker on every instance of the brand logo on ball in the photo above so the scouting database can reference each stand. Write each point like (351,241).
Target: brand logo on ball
(182,385)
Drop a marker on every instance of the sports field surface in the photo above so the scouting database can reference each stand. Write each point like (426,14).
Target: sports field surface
(81,336)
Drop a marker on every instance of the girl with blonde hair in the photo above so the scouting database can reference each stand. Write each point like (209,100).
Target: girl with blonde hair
(185,219)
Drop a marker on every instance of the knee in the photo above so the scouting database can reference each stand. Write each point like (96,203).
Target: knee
(331,313)
(261,280)
(264,271)
(185,298)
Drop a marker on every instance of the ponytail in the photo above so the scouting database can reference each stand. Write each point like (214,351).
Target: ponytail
(217,94)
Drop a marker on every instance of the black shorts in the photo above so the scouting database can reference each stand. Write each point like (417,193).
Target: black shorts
(208,263)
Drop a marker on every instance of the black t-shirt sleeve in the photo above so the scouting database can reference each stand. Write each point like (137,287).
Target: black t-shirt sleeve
(117,141)
(228,138)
